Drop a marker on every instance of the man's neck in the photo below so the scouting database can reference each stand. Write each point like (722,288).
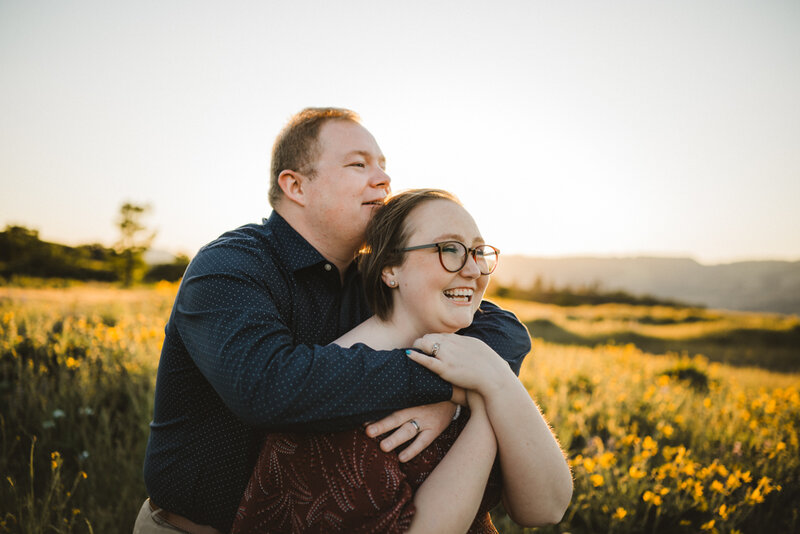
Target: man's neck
(337,251)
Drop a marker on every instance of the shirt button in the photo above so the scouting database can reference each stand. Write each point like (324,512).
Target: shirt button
(328,266)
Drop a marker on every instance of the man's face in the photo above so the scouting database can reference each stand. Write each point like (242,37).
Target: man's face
(350,181)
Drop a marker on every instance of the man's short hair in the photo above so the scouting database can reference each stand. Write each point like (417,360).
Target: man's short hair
(387,232)
(297,146)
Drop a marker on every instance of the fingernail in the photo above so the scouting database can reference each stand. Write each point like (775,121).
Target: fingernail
(371,432)
(408,352)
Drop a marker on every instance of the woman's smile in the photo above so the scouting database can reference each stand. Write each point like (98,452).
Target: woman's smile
(459,295)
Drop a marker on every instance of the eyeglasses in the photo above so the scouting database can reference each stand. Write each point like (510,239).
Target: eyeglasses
(453,255)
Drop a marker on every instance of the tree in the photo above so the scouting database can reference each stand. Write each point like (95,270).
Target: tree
(134,240)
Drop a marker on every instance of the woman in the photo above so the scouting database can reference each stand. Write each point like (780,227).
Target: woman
(425,272)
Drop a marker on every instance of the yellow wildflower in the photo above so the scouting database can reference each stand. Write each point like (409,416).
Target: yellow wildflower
(72,363)
(755,497)
(698,491)
(606,459)
(589,464)
(620,513)
(635,472)
(597,480)
(708,526)
(718,487)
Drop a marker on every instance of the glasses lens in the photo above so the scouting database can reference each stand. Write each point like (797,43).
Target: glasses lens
(452,254)
(486,258)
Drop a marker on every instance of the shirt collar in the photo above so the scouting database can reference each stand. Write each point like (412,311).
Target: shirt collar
(293,249)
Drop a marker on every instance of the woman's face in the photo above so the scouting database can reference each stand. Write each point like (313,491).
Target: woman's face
(431,298)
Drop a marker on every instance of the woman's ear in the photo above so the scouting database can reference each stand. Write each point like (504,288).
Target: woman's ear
(292,184)
(389,276)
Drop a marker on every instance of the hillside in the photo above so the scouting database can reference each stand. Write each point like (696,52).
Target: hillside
(771,286)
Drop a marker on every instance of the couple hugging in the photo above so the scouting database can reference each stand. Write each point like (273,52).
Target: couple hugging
(300,390)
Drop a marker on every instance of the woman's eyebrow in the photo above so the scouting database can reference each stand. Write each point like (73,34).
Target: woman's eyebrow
(460,238)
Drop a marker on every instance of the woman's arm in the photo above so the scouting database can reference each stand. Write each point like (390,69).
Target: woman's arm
(537,484)
(450,497)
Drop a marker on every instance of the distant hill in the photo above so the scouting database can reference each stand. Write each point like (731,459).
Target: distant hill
(22,253)
(768,286)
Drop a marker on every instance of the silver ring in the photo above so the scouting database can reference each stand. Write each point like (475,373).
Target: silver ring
(435,350)
(415,425)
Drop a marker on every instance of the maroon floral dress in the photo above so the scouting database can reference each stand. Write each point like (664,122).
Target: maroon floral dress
(344,482)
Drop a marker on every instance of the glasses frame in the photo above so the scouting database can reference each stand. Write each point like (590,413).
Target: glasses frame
(470,252)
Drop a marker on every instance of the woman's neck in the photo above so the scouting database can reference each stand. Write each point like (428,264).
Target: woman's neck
(379,334)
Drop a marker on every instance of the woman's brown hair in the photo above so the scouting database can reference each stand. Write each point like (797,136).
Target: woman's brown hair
(386,234)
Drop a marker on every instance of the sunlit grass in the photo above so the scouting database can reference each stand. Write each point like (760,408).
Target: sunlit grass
(657,442)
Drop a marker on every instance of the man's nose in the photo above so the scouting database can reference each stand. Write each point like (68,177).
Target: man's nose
(381,180)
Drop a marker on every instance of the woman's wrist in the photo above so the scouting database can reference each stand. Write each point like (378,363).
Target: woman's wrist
(497,382)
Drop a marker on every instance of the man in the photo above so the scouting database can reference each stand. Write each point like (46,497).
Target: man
(246,348)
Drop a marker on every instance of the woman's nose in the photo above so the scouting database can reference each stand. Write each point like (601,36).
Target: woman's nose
(470,268)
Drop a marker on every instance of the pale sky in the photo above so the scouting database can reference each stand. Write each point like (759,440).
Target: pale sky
(567,128)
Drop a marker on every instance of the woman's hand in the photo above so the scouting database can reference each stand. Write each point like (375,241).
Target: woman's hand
(463,361)
(431,418)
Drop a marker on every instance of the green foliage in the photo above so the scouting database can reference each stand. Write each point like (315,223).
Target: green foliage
(656,443)
(27,261)
(23,253)
(652,451)
(171,272)
(569,296)
(738,346)
(76,399)
(132,243)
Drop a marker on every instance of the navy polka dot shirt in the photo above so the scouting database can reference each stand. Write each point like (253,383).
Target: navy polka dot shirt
(246,351)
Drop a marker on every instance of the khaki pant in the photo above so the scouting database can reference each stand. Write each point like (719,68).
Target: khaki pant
(151,521)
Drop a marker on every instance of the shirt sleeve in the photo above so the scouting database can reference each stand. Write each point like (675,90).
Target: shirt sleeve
(246,351)
(502,331)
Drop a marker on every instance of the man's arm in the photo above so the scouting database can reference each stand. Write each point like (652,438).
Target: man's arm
(502,331)
(498,328)
(246,351)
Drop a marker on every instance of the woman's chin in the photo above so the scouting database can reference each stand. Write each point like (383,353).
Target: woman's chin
(457,322)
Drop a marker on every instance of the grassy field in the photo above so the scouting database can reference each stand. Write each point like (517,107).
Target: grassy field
(769,341)
(664,442)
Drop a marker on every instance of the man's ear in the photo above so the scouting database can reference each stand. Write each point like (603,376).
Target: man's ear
(292,183)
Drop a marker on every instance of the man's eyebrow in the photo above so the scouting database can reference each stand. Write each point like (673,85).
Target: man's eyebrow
(366,155)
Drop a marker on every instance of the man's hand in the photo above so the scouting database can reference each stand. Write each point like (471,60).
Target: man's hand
(431,418)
